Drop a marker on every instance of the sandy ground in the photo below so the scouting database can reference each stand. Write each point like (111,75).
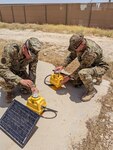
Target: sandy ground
(56,134)
(56,38)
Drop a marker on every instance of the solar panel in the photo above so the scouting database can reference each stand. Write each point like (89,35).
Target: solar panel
(18,122)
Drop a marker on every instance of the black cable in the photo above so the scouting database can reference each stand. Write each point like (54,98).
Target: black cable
(45,108)
(49,84)
(49,109)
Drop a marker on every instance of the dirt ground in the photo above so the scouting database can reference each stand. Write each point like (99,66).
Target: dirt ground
(100,128)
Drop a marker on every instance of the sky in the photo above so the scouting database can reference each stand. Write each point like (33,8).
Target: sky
(49,1)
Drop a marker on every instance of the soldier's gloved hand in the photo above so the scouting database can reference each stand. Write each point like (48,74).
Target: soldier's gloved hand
(26,82)
(66,79)
(58,69)
(34,89)
(71,76)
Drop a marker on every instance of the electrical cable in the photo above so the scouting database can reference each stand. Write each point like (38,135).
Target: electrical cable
(51,110)
(45,80)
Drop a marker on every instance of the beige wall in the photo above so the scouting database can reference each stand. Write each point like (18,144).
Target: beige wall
(78,14)
(102,16)
(6,13)
(19,14)
(56,14)
(35,14)
(93,15)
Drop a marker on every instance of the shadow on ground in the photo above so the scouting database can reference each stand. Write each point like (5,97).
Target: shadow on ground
(2,99)
(75,93)
(16,91)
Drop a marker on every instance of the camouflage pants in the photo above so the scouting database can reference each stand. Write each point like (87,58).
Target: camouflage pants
(8,85)
(85,76)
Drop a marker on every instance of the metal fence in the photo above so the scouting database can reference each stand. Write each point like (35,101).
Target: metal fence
(89,15)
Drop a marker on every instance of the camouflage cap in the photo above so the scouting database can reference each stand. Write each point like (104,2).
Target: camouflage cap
(33,44)
(75,41)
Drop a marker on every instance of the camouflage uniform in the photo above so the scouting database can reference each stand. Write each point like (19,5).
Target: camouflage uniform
(92,64)
(13,65)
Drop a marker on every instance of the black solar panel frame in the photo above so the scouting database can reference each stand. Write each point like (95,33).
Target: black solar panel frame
(11,120)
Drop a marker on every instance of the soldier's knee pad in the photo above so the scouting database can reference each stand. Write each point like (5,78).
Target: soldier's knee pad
(83,72)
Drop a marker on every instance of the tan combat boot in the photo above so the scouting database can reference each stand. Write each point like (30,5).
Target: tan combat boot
(89,95)
(9,97)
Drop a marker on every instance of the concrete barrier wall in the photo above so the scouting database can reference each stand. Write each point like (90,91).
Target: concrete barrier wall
(90,15)
(102,15)
(35,14)
(56,14)
(6,13)
(19,13)
(78,14)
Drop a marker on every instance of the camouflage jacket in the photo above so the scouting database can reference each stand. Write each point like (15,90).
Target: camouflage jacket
(13,61)
(91,57)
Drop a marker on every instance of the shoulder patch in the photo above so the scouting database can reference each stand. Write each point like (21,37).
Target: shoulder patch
(3,60)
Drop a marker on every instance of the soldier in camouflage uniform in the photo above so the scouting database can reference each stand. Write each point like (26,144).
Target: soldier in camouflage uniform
(92,64)
(14,61)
